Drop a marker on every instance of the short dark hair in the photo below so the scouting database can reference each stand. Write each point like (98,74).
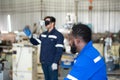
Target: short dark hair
(52,19)
(82,30)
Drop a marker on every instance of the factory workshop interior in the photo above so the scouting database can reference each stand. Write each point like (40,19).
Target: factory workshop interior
(19,59)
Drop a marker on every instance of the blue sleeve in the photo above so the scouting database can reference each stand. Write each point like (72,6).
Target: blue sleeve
(79,70)
(35,41)
(84,69)
(59,48)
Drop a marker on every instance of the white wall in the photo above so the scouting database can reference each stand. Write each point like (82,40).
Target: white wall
(26,12)
(101,21)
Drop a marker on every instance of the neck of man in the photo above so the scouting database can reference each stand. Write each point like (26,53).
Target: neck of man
(50,29)
(81,46)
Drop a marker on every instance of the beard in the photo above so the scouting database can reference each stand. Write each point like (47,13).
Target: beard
(73,49)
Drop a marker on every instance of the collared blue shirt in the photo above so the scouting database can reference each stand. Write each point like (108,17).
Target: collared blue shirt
(51,46)
(88,65)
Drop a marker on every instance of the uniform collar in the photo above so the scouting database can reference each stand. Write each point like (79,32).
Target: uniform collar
(52,31)
(89,44)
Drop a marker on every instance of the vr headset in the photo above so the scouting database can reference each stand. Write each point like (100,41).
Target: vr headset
(47,22)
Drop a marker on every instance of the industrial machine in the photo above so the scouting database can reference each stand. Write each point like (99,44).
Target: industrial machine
(5,60)
(24,60)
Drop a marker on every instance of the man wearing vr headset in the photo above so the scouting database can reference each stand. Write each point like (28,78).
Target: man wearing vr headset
(51,48)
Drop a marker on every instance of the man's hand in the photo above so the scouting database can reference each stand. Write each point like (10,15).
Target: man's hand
(27,31)
(54,66)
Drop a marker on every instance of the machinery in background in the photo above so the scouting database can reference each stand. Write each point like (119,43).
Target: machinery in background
(109,48)
(5,60)
(7,37)
(24,60)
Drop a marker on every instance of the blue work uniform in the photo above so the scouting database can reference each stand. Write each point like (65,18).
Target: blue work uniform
(88,65)
(50,52)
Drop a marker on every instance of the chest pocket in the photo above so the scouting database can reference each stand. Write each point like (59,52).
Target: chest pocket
(52,39)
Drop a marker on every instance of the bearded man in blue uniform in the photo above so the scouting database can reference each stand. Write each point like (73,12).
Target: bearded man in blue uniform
(89,64)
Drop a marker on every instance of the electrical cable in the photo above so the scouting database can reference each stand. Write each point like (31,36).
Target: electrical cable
(17,62)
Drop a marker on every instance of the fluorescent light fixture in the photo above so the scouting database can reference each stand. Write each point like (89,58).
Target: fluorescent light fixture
(9,23)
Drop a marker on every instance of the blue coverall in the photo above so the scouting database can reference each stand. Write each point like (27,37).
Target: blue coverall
(88,65)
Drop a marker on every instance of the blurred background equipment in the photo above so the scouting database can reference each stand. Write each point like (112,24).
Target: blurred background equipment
(102,16)
(5,60)
(22,68)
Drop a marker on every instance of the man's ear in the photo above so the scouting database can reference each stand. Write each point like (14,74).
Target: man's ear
(53,23)
(77,41)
